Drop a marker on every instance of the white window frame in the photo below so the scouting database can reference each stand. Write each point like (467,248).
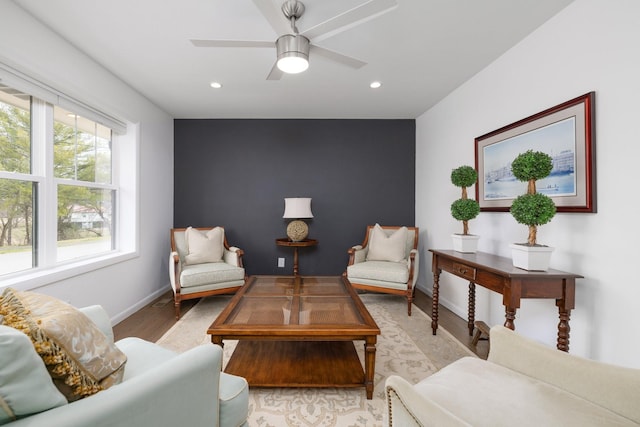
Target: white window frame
(125,168)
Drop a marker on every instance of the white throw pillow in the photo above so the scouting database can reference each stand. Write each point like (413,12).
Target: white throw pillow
(204,246)
(387,248)
(25,385)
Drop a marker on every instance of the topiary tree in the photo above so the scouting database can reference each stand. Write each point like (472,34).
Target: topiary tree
(464,209)
(532,209)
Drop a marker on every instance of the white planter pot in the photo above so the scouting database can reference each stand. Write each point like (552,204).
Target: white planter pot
(465,243)
(531,258)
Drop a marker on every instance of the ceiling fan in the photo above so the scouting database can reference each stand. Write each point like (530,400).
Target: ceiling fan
(292,47)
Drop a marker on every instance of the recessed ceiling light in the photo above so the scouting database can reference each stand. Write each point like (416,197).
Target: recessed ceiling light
(375,85)
(216,85)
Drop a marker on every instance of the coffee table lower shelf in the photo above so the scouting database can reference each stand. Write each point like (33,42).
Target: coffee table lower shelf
(297,364)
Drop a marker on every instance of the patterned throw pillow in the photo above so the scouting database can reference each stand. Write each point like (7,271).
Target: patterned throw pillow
(387,248)
(79,357)
(204,246)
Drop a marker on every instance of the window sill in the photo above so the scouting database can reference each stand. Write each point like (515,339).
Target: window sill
(38,278)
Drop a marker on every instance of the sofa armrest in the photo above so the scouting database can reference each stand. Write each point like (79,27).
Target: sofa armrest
(414,261)
(174,269)
(357,254)
(233,256)
(98,315)
(613,387)
(182,391)
(408,408)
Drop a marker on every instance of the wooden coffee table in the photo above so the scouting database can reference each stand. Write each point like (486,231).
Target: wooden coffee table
(298,332)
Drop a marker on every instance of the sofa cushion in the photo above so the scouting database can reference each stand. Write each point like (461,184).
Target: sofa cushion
(80,358)
(204,246)
(25,385)
(513,398)
(234,400)
(383,247)
(142,356)
(397,272)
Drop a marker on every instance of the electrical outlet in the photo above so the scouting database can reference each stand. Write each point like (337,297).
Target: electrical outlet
(281,262)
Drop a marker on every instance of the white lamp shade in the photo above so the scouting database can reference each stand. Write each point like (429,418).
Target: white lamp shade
(297,207)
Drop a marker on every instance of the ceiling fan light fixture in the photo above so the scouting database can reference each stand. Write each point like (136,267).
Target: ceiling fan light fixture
(293,53)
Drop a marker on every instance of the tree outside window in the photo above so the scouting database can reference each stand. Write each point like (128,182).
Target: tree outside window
(82,175)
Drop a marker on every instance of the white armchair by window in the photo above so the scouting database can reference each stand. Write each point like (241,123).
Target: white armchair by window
(202,263)
(387,261)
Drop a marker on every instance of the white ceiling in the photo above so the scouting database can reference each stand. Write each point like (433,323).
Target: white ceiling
(420,50)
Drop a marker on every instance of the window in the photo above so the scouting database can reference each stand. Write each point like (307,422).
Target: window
(82,168)
(16,193)
(58,188)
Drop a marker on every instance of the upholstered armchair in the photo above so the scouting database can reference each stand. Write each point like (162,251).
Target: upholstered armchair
(202,263)
(387,261)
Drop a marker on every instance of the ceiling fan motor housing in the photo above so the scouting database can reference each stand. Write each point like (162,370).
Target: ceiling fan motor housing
(293,47)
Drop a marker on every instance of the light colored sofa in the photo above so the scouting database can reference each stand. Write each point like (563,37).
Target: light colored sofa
(523,383)
(159,388)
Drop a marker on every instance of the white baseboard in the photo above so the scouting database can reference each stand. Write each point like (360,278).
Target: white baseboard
(138,306)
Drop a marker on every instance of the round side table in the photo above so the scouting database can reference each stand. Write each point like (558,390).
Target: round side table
(295,245)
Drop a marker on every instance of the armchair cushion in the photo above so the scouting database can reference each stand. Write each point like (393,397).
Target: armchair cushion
(384,271)
(457,387)
(25,385)
(210,273)
(385,247)
(80,358)
(204,247)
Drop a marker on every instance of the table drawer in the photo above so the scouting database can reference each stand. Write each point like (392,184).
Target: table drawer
(464,271)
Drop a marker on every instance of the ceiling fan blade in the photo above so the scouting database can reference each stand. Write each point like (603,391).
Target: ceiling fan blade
(275,73)
(359,14)
(337,57)
(274,16)
(231,43)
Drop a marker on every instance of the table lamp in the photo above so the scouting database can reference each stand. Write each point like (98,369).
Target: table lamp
(297,208)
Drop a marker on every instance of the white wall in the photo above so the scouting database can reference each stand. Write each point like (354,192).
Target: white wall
(590,45)
(28,46)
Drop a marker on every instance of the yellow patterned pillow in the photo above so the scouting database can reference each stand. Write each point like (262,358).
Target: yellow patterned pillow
(79,357)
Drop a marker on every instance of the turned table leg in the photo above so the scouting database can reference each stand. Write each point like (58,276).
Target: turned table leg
(510,315)
(434,301)
(564,330)
(295,261)
(565,305)
(472,307)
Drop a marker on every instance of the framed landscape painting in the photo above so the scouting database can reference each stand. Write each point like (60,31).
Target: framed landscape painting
(565,132)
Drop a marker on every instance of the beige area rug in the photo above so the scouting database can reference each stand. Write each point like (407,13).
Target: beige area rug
(405,347)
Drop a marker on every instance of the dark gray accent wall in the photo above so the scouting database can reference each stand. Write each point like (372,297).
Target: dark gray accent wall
(236,173)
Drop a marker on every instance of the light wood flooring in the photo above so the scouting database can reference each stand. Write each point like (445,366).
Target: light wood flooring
(154,320)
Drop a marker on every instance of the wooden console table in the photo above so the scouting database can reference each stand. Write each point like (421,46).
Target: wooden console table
(499,275)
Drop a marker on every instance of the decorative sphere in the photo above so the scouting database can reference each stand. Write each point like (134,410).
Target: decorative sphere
(297,230)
